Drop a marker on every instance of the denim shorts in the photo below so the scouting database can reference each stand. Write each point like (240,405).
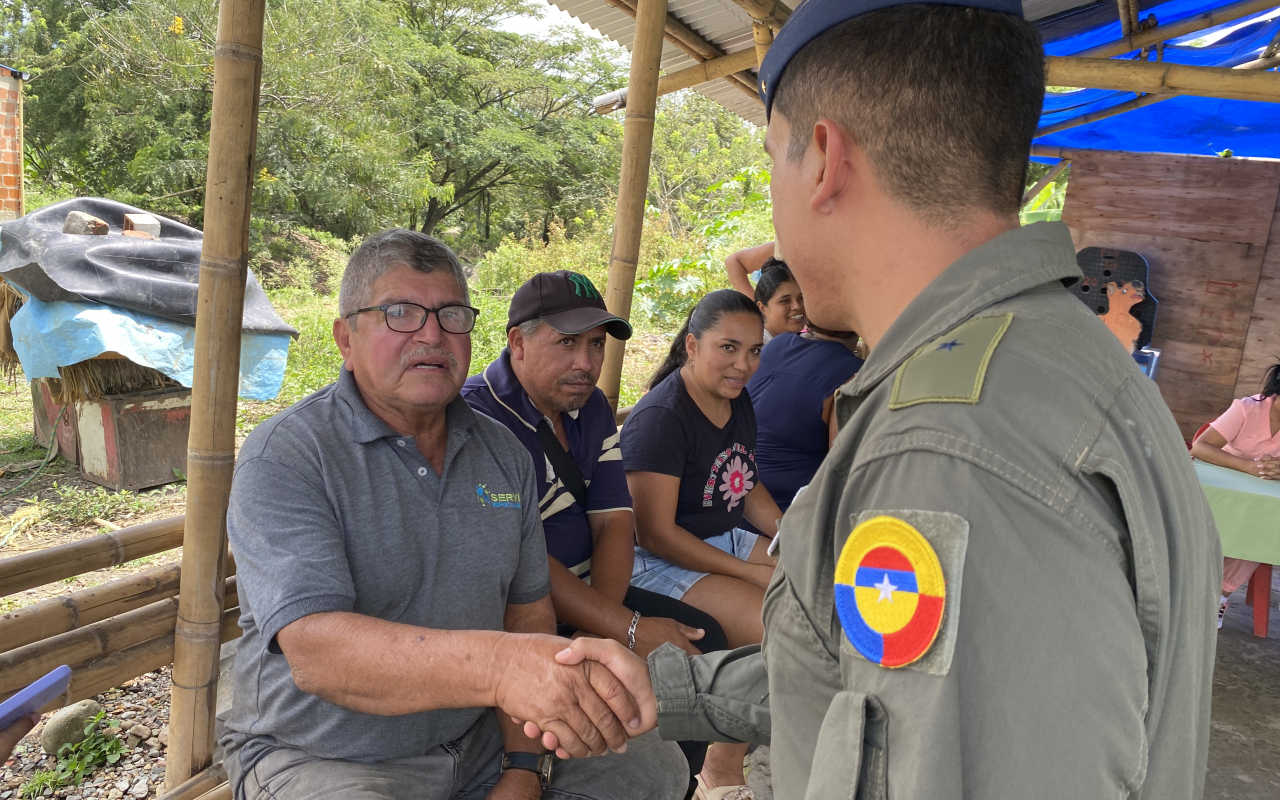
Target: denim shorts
(656,574)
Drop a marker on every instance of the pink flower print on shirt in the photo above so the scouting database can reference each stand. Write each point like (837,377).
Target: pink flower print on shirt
(737,481)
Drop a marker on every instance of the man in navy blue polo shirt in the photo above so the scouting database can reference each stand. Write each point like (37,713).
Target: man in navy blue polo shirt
(543,388)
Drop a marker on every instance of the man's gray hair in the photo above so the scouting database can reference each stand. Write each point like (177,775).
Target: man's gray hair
(384,251)
(530,326)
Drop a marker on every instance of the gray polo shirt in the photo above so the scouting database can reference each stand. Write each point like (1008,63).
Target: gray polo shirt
(332,510)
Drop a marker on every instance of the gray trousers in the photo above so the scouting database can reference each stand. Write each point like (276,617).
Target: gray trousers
(466,769)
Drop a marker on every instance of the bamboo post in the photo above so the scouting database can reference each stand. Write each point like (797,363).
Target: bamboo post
(633,185)
(211,448)
(763,36)
(1126,17)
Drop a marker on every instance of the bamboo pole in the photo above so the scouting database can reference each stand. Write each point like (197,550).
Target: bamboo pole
(769,12)
(1048,178)
(199,785)
(763,36)
(633,185)
(1140,101)
(69,612)
(37,568)
(1172,30)
(59,615)
(79,647)
(1126,18)
(211,448)
(1119,108)
(691,44)
(1162,78)
(704,72)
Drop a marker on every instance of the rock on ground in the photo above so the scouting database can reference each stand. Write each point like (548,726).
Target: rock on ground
(67,726)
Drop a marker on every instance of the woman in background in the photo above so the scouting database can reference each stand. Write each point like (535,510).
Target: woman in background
(793,394)
(689,451)
(776,292)
(1246,438)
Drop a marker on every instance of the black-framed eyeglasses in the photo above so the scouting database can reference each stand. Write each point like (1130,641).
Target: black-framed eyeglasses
(410,317)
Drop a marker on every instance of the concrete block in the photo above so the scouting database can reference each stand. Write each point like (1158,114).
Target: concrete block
(84,224)
(145,223)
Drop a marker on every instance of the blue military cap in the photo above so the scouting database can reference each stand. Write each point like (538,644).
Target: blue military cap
(814,17)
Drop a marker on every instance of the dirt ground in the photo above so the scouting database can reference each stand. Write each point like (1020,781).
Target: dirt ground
(1244,745)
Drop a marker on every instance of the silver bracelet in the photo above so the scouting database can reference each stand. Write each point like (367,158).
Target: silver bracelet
(631,632)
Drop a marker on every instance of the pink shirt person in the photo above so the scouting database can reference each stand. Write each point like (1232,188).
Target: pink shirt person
(1247,428)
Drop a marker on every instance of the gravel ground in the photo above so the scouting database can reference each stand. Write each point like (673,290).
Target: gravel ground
(139,774)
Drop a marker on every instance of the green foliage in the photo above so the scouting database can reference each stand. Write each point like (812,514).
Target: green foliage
(100,747)
(40,780)
(1047,205)
(76,506)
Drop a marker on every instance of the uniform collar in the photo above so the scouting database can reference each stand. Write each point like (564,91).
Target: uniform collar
(368,427)
(510,394)
(1008,265)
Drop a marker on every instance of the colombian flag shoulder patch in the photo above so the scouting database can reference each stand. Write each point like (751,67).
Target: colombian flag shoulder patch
(891,590)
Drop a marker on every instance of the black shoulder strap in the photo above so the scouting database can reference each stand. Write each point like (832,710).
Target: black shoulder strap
(562,463)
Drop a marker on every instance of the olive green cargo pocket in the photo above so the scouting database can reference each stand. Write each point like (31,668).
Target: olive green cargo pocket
(851,760)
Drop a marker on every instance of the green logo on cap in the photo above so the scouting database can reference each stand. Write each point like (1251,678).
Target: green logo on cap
(583,287)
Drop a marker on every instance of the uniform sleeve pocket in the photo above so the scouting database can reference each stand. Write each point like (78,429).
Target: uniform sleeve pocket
(851,759)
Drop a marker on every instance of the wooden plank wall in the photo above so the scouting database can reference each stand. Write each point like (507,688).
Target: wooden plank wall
(1210,229)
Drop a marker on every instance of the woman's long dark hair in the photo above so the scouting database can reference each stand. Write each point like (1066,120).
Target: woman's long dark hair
(703,317)
(773,274)
(1271,381)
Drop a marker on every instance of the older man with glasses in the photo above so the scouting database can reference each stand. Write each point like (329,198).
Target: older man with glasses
(393,578)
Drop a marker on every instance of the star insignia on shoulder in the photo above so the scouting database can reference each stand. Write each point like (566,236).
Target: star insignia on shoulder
(951,345)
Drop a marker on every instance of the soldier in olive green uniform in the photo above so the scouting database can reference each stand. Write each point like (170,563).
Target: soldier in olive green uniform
(1000,584)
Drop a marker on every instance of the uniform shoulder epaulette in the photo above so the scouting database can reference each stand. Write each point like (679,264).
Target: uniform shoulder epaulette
(952,367)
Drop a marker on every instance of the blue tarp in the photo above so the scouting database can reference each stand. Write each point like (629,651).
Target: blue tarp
(59,333)
(1194,125)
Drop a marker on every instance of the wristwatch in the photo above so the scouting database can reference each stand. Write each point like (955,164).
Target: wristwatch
(540,765)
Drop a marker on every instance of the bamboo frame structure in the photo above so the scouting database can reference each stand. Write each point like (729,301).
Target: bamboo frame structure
(769,12)
(1140,101)
(691,44)
(763,36)
(84,645)
(1163,78)
(1164,32)
(202,786)
(224,269)
(29,570)
(633,184)
(65,613)
(707,71)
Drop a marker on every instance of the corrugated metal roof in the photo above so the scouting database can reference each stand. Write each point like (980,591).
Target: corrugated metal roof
(724,24)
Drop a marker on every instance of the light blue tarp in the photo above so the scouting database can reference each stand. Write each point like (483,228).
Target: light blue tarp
(60,333)
(1194,125)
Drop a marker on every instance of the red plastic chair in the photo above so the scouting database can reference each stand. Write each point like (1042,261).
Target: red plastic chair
(1203,428)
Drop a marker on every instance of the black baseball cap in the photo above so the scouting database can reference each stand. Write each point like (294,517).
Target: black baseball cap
(812,18)
(567,301)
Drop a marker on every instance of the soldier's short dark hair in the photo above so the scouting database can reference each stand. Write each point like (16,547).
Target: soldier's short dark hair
(943,99)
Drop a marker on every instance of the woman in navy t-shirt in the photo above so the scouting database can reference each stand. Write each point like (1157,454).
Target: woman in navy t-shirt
(689,451)
(792,393)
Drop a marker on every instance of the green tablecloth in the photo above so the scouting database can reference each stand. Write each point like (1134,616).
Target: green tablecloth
(1246,510)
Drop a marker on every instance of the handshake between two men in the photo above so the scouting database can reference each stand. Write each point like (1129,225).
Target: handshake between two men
(591,699)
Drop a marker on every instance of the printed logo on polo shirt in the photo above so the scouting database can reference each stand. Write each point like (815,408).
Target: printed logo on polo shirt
(490,499)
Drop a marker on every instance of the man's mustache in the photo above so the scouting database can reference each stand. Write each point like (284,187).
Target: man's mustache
(580,376)
(427,350)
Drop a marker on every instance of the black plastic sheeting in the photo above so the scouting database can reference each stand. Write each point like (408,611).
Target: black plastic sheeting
(157,277)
